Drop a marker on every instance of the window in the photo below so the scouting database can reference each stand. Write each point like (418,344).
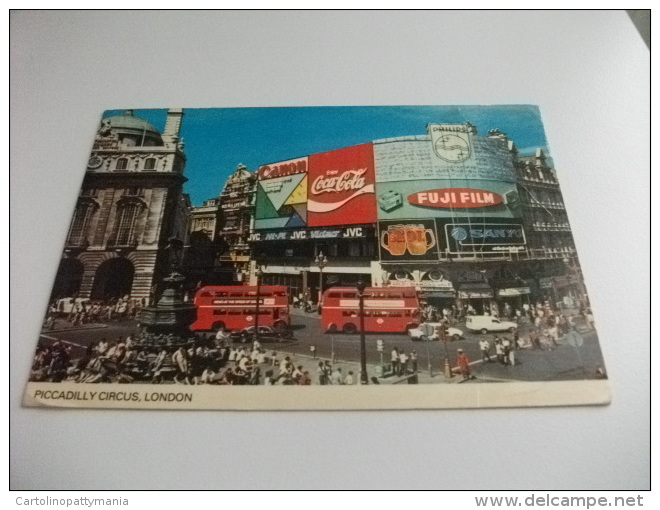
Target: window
(133,192)
(80,223)
(127,216)
(150,164)
(122,164)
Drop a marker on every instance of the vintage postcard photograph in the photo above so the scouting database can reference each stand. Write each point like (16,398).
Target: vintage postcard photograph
(383,257)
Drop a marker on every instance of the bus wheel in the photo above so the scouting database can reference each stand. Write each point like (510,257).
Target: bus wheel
(332,328)
(349,328)
(218,325)
(484,331)
(280,327)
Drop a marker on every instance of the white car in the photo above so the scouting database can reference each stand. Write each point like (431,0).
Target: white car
(426,331)
(488,324)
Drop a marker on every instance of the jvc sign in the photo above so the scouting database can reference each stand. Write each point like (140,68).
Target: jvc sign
(483,237)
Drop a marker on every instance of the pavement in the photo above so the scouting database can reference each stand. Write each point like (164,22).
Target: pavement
(64,325)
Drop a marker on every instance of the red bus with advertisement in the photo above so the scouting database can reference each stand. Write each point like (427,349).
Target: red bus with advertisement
(234,307)
(386,310)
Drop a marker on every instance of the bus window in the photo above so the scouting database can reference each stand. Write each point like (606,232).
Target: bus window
(334,295)
(348,294)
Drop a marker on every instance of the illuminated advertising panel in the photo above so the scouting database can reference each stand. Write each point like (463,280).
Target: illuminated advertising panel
(341,187)
(451,173)
(491,236)
(408,240)
(281,200)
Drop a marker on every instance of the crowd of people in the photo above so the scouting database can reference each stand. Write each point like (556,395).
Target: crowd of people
(202,360)
(85,311)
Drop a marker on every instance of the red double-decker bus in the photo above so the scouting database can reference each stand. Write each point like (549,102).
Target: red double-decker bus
(234,307)
(385,310)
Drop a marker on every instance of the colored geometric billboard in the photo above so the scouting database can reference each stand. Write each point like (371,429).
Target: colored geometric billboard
(281,199)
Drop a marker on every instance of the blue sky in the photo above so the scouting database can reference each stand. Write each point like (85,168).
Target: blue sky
(218,139)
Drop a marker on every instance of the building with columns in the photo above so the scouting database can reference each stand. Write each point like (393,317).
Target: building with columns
(131,202)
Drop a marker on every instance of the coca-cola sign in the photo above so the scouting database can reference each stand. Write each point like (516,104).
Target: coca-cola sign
(348,180)
(341,187)
(455,198)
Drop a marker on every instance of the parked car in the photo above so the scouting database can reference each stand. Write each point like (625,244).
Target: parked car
(488,324)
(427,331)
(265,333)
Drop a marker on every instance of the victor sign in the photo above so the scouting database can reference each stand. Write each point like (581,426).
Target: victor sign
(455,198)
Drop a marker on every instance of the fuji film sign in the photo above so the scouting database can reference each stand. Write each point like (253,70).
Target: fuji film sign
(455,198)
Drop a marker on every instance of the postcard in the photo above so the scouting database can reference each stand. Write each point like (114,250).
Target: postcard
(383,257)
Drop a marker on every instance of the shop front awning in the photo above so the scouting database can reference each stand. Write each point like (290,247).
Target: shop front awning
(513,291)
(438,294)
(475,291)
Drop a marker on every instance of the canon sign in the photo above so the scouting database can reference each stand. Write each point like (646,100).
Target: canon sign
(296,166)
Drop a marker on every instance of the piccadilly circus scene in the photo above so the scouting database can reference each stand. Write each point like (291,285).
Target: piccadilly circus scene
(352,246)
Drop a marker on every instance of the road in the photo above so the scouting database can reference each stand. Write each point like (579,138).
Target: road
(562,363)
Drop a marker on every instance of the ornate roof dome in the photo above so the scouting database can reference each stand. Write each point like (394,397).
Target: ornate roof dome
(130,127)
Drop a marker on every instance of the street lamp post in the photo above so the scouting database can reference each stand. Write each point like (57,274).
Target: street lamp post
(321,261)
(258,273)
(363,348)
(442,335)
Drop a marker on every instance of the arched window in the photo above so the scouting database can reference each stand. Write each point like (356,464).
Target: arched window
(150,164)
(80,224)
(126,223)
(122,164)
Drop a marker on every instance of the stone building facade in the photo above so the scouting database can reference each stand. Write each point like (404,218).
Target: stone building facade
(219,252)
(131,202)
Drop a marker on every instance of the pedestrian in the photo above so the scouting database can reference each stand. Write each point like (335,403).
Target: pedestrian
(484,345)
(337,377)
(395,361)
(506,346)
(349,378)
(463,363)
(413,360)
(221,337)
(321,374)
(327,367)
(403,363)
(499,351)
(590,320)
